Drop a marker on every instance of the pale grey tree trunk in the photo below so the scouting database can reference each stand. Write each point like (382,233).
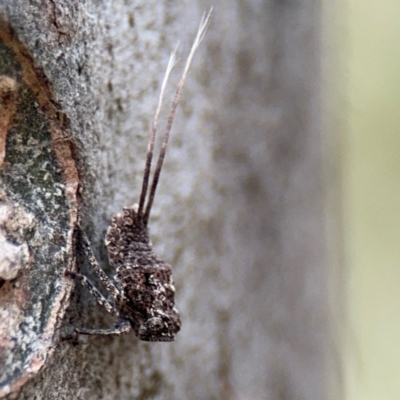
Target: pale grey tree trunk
(239,213)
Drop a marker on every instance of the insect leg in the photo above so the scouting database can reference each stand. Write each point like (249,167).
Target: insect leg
(94,292)
(122,327)
(111,288)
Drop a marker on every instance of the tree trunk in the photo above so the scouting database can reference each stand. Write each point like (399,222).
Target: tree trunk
(239,213)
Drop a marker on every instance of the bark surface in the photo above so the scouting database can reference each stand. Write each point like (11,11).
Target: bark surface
(239,212)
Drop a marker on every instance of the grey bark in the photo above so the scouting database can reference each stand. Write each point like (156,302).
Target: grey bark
(239,213)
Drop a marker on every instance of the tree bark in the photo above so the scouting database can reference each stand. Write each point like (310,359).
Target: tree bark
(239,213)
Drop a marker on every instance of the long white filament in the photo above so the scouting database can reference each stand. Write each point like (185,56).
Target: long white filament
(199,37)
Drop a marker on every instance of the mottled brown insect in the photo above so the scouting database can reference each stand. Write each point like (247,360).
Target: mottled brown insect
(142,292)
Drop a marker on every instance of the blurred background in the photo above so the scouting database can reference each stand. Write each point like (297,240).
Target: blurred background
(371,198)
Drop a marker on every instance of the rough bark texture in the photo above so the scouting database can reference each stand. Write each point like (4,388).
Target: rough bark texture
(239,212)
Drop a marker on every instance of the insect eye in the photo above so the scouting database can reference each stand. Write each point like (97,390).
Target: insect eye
(155,324)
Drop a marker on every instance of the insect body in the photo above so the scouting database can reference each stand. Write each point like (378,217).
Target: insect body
(142,293)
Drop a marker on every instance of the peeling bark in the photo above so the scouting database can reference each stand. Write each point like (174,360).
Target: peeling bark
(39,184)
(8,87)
(239,213)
